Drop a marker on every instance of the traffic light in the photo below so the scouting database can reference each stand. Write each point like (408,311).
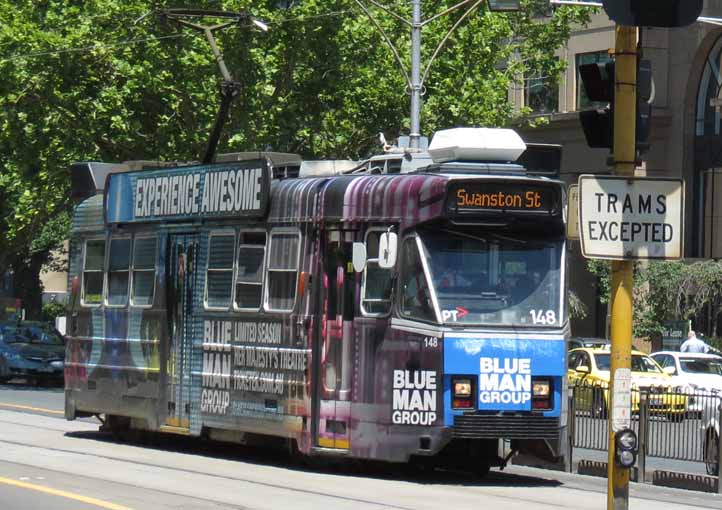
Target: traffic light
(598,125)
(653,13)
(625,442)
(645,97)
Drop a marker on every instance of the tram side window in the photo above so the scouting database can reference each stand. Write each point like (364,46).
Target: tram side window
(415,294)
(249,280)
(93,272)
(282,273)
(219,278)
(118,271)
(144,253)
(376,298)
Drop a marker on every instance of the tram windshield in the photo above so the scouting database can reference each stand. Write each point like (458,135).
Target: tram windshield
(489,279)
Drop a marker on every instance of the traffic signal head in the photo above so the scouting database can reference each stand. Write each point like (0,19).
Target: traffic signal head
(645,96)
(625,448)
(598,125)
(598,83)
(653,13)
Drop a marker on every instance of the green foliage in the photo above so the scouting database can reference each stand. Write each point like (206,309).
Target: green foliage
(669,290)
(577,308)
(602,269)
(657,296)
(53,310)
(110,80)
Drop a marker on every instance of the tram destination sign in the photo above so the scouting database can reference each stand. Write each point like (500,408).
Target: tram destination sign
(469,197)
(631,218)
(238,189)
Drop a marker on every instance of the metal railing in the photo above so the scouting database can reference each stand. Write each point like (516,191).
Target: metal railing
(670,423)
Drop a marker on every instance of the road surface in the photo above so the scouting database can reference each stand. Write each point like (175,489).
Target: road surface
(48,463)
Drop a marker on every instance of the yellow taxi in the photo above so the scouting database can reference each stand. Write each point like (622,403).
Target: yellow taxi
(588,371)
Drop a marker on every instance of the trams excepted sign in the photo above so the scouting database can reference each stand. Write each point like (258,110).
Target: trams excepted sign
(631,218)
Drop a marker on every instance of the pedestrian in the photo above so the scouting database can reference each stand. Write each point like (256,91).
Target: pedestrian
(694,344)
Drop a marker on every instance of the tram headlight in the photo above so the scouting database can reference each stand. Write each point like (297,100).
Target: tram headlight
(463,393)
(540,388)
(462,387)
(626,443)
(541,392)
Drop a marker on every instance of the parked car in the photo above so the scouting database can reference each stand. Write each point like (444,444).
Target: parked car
(579,342)
(589,369)
(711,434)
(31,350)
(701,374)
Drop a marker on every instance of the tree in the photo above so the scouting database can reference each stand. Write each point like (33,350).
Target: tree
(670,290)
(109,80)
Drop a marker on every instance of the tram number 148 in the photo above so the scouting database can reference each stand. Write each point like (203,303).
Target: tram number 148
(431,341)
(544,317)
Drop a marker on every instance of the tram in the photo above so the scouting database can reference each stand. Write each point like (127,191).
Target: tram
(417,313)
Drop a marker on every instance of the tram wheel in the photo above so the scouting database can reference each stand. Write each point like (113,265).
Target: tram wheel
(119,427)
(482,470)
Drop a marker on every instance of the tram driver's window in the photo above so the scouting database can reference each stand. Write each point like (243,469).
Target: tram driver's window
(219,278)
(249,280)
(118,271)
(282,273)
(376,289)
(415,294)
(93,272)
(144,271)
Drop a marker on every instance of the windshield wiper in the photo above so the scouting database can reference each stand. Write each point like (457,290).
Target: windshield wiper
(486,237)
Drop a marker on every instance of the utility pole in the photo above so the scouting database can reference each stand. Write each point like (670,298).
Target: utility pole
(625,122)
(415,134)
(415,78)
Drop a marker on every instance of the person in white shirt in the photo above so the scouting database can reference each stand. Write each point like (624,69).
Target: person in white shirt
(694,344)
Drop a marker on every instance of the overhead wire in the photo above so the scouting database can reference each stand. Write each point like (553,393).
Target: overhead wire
(130,42)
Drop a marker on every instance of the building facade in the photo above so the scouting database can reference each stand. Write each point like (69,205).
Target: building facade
(685,139)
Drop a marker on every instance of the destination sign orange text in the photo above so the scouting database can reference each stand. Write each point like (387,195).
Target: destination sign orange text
(498,197)
(501,200)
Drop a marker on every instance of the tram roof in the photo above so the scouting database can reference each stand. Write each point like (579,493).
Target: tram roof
(407,198)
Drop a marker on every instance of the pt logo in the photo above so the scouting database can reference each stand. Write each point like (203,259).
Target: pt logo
(454,315)
(505,381)
(414,399)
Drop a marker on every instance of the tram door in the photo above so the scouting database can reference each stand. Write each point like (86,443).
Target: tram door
(182,275)
(334,343)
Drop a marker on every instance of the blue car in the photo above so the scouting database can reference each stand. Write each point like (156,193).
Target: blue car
(31,350)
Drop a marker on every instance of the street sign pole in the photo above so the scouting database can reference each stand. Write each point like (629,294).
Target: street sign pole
(625,98)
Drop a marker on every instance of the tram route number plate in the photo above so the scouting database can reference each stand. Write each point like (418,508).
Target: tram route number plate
(622,399)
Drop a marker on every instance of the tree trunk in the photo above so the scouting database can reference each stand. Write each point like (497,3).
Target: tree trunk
(27,285)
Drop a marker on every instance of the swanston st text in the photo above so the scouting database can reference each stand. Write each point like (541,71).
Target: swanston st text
(499,199)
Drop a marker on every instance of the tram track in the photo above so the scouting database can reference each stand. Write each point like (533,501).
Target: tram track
(196,472)
(272,486)
(132,464)
(171,458)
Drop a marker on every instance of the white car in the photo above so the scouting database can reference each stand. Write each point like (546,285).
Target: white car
(700,374)
(711,434)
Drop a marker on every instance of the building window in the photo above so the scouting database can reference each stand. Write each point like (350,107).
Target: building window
(541,94)
(249,279)
(376,289)
(597,57)
(144,254)
(93,272)
(282,274)
(219,277)
(118,271)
